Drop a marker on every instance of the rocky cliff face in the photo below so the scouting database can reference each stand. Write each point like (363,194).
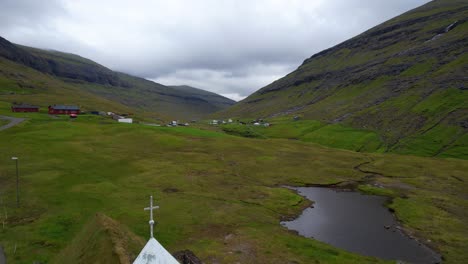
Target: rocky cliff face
(60,64)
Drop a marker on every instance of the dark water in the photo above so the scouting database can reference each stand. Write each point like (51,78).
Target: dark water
(356,222)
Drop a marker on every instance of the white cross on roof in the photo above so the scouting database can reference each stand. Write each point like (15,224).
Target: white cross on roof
(153,252)
(151,221)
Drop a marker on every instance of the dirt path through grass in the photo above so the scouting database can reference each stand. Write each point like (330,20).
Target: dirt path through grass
(13,122)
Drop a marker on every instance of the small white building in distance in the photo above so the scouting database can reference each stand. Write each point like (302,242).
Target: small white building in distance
(125,120)
(153,252)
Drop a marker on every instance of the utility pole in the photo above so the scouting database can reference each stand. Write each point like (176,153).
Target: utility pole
(17,181)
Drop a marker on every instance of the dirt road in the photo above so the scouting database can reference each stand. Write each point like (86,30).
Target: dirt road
(13,122)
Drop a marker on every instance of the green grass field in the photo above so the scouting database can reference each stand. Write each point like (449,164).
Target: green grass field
(441,140)
(331,135)
(3,122)
(220,195)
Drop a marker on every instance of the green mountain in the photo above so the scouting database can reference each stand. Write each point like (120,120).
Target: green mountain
(215,101)
(403,80)
(87,75)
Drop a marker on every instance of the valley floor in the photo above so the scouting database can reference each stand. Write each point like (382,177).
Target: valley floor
(219,195)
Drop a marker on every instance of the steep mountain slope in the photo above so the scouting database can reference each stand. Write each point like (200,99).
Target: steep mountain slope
(129,90)
(19,83)
(218,101)
(404,79)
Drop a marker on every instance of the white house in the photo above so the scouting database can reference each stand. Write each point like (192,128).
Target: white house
(125,120)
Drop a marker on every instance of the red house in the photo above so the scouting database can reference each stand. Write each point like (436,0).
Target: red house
(64,109)
(24,108)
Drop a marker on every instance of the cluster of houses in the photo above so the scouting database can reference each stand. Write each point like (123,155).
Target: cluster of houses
(53,109)
(256,122)
(219,122)
(265,124)
(174,123)
(260,122)
(71,110)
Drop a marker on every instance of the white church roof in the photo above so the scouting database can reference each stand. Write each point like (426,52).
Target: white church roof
(154,253)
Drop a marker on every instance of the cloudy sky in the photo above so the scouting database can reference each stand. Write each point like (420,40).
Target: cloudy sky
(231,47)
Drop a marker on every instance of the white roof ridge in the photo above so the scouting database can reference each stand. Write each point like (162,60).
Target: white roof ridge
(154,253)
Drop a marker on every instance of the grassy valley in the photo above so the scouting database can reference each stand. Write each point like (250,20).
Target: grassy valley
(220,195)
(384,113)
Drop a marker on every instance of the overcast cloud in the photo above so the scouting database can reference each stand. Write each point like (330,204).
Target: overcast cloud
(231,47)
